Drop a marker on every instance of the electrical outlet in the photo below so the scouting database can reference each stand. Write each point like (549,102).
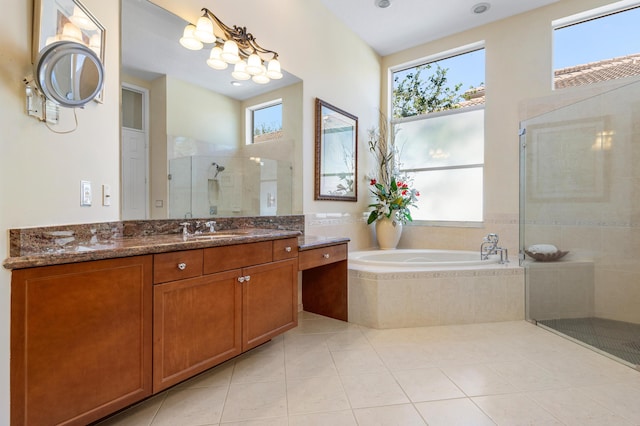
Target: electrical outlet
(85,193)
(106,195)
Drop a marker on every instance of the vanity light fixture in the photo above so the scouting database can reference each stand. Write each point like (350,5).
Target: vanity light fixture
(232,46)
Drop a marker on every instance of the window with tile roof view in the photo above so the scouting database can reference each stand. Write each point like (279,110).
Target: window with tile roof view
(597,48)
(267,121)
(438,132)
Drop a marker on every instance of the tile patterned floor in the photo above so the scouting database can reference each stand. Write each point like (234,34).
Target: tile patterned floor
(620,339)
(328,372)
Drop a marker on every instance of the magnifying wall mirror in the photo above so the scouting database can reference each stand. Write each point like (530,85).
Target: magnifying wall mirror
(69,73)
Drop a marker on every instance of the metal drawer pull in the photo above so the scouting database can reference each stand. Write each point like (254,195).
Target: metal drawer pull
(182,266)
(287,249)
(247,278)
(326,255)
(241,279)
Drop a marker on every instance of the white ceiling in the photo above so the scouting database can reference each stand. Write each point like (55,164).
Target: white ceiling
(408,23)
(150,35)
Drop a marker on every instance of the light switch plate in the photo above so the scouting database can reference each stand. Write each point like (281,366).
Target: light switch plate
(85,193)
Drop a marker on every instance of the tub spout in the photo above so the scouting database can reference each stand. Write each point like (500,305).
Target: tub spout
(489,246)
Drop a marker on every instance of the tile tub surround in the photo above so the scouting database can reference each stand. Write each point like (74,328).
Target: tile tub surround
(435,297)
(30,247)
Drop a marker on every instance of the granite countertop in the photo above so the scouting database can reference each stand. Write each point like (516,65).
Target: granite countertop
(33,247)
(140,245)
(310,242)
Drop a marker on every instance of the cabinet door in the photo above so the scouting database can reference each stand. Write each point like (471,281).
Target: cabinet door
(80,340)
(197,324)
(270,301)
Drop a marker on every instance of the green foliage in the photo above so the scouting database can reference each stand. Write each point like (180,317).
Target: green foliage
(418,94)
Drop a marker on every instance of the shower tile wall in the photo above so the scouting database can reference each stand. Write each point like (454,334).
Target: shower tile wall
(583,195)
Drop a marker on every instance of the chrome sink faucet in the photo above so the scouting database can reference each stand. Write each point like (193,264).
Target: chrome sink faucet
(185,229)
(211,224)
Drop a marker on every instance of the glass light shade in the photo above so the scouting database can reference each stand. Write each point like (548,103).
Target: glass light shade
(189,40)
(204,30)
(215,61)
(81,20)
(94,44)
(254,64)
(95,41)
(262,77)
(240,71)
(230,52)
(71,33)
(273,70)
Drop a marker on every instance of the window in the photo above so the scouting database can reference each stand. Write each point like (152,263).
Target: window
(266,121)
(596,46)
(438,125)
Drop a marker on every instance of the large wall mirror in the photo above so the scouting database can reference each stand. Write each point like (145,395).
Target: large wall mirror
(202,160)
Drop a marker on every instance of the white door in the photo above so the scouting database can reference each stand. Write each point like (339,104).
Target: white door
(135,154)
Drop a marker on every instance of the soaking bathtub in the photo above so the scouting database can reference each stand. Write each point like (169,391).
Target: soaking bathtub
(415,288)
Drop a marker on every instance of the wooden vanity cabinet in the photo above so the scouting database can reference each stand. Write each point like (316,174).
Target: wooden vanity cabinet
(325,282)
(90,338)
(196,325)
(239,299)
(81,340)
(269,282)
(269,301)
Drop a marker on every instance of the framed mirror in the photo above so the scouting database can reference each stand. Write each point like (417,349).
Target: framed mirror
(336,159)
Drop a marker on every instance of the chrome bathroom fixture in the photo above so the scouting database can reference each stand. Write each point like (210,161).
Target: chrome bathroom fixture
(490,247)
(219,169)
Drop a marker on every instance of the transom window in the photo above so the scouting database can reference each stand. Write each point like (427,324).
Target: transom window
(598,45)
(266,121)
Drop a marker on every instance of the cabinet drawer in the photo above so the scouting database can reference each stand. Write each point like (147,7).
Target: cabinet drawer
(177,265)
(285,249)
(321,256)
(218,259)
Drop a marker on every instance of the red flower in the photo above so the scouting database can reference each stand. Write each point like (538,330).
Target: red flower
(404,192)
(417,193)
(373,182)
(399,184)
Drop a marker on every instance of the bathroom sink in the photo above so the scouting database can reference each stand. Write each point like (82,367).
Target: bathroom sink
(218,235)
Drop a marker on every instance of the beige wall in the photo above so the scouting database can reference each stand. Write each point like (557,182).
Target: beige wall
(40,171)
(518,67)
(289,146)
(202,115)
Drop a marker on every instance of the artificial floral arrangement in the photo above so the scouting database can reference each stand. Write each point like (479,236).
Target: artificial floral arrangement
(392,189)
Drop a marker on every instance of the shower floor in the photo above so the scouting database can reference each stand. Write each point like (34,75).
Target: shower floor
(620,339)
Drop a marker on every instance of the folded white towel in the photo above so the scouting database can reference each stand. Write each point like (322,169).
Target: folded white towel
(542,248)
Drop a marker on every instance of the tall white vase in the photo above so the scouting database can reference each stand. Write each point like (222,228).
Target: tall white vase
(388,233)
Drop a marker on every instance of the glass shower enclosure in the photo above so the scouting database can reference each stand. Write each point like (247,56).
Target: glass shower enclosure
(580,192)
(202,186)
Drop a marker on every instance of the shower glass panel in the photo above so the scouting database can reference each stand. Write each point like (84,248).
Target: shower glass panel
(203,186)
(580,192)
